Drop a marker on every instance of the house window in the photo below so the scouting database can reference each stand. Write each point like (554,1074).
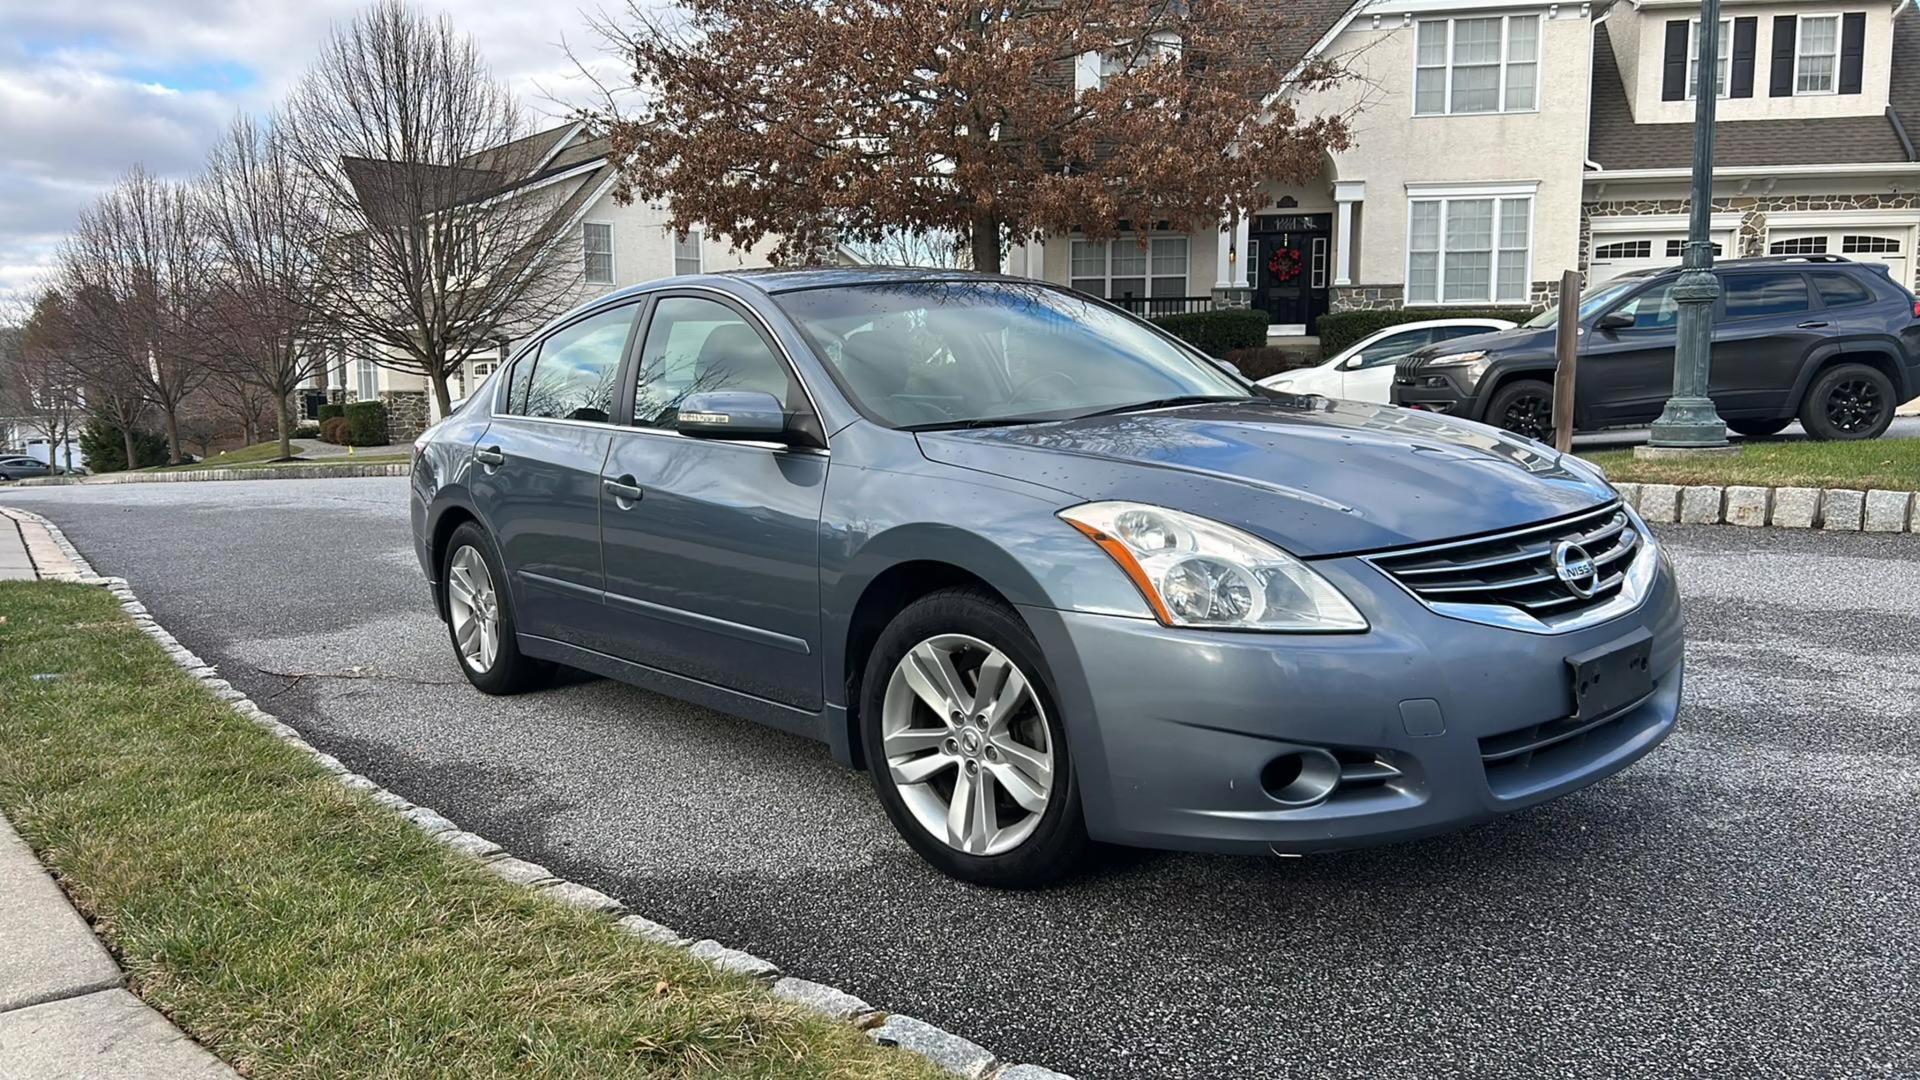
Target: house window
(1625,249)
(596,239)
(1869,245)
(1121,269)
(1799,245)
(1816,59)
(1469,249)
(1476,65)
(367,376)
(687,257)
(1677,249)
(1724,51)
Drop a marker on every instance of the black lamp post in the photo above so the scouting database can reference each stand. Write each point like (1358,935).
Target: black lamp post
(1690,420)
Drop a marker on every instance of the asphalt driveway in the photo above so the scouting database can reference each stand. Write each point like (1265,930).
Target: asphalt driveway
(1744,902)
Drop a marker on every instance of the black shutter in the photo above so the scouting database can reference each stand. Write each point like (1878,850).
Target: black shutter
(1745,31)
(1853,47)
(1673,82)
(1782,76)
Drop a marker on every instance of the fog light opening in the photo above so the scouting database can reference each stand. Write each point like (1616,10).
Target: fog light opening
(1302,778)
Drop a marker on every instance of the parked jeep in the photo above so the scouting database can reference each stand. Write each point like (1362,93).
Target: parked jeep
(1832,343)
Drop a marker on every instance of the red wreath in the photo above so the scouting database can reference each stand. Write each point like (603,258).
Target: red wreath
(1284,264)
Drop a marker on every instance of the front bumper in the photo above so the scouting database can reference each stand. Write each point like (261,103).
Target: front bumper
(1436,390)
(1171,730)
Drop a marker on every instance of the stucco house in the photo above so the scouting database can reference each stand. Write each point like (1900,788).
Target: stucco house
(1497,143)
(619,245)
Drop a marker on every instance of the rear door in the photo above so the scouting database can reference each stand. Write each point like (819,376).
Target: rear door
(1769,321)
(1626,375)
(536,481)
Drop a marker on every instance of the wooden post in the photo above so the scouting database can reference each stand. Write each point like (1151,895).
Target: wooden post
(1567,352)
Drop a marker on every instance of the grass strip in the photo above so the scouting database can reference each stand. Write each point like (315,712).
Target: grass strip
(1889,464)
(299,930)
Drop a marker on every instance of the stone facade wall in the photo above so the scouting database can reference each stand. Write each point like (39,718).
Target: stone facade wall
(407,414)
(1391,297)
(1751,237)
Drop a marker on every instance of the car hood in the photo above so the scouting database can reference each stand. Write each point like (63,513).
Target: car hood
(1313,380)
(1313,475)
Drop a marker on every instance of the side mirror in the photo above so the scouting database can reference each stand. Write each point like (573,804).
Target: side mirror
(1614,320)
(733,414)
(1353,363)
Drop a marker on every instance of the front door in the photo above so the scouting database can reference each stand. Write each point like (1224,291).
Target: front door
(712,548)
(1291,257)
(1626,373)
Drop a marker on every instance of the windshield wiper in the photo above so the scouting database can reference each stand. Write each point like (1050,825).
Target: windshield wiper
(981,422)
(1161,403)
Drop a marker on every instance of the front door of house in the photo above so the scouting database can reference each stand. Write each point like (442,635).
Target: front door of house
(1291,258)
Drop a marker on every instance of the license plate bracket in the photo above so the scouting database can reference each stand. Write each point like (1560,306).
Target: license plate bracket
(1612,676)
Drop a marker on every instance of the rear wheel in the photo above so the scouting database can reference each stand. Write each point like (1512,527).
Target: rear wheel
(1759,428)
(480,617)
(1848,402)
(1525,408)
(966,746)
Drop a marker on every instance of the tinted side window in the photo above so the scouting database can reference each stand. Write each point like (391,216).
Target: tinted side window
(1448,333)
(1392,348)
(574,378)
(1773,293)
(693,346)
(1839,290)
(517,382)
(1654,309)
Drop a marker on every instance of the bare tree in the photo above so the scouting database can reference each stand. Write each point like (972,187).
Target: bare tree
(40,385)
(939,250)
(136,270)
(262,215)
(440,248)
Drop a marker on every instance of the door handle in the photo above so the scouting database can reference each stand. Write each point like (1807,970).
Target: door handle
(1814,324)
(624,491)
(490,456)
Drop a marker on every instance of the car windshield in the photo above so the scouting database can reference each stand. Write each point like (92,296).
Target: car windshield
(933,354)
(1596,299)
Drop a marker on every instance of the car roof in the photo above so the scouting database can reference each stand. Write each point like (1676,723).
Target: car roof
(1427,323)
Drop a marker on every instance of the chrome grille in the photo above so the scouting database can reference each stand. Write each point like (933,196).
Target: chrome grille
(1518,571)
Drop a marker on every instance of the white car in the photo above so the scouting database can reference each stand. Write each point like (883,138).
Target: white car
(1364,372)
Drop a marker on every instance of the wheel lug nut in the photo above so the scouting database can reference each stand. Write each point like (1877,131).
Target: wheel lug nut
(993,753)
(973,767)
(950,746)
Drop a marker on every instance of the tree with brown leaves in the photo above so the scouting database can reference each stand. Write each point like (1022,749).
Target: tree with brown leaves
(819,122)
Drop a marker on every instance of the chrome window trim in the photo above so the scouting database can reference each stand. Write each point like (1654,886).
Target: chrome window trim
(630,429)
(1633,590)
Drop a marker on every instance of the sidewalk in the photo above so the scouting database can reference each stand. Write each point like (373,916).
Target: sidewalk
(65,1013)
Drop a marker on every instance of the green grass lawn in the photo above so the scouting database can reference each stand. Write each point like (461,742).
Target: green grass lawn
(299,930)
(1875,463)
(265,456)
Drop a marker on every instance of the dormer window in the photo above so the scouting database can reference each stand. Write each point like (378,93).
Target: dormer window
(1816,62)
(1482,65)
(1817,55)
(1720,70)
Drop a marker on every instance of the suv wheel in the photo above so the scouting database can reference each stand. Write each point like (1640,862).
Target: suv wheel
(1524,408)
(1759,428)
(480,617)
(1848,402)
(966,746)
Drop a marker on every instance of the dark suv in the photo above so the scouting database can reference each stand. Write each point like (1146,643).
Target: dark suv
(1832,343)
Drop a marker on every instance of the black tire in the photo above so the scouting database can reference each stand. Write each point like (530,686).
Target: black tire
(511,671)
(1847,403)
(1058,844)
(1755,429)
(1524,407)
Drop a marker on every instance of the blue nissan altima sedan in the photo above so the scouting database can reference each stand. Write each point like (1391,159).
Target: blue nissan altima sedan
(1047,573)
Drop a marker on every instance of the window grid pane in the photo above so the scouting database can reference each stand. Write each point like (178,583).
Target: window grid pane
(1818,49)
(1170,257)
(687,256)
(597,243)
(1129,258)
(1089,259)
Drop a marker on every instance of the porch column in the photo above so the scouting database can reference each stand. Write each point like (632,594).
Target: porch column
(1232,253)
(1345,194)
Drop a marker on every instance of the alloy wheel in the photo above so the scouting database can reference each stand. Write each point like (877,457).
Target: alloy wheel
(1854,405)
(967,744)
(1530,415)
(475,607)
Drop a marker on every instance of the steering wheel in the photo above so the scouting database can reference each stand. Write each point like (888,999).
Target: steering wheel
(1072,383)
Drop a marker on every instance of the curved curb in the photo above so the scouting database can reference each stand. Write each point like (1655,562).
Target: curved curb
(951,1052)
(264,472)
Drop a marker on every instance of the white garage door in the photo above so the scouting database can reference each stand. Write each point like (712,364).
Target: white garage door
(1887,246)
(1615,254)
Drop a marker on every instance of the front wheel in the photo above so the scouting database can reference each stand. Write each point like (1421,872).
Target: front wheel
(1525,408)
(1848,402)
(966,745)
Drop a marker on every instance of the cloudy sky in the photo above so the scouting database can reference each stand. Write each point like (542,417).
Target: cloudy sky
(91,87)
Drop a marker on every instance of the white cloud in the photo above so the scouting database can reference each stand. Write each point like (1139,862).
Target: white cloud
(88,90)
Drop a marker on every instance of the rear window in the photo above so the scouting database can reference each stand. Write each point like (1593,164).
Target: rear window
(1776,293)
(1839,290)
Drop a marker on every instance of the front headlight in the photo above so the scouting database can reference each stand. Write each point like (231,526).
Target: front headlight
(1471,364)
(1199,573)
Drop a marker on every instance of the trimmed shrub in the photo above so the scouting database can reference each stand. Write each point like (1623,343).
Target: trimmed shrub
(334,430)
(305,431)
(1341,329)
(367,423)
(1257,364)
(1218,332)
(106,451)
(330,410)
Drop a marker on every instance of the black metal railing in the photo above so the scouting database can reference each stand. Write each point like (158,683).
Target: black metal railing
(1153,307)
